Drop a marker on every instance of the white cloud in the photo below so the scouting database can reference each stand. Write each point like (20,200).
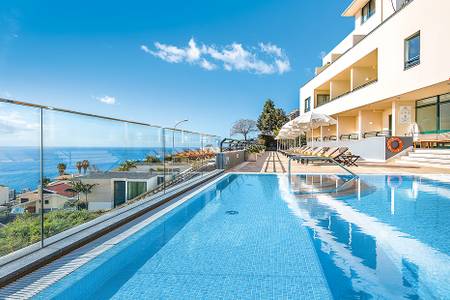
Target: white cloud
(207,65)
(13,122)
(267,59)
(271,49)
(107,100)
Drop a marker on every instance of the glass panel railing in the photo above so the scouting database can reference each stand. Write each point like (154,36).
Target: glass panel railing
(19,177)
(89,166)
(93,165)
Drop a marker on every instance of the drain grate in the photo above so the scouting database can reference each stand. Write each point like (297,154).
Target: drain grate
(232,212)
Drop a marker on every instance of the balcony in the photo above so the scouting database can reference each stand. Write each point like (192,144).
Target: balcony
(359,75)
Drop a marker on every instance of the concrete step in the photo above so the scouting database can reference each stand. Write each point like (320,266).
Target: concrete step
(423,164)
(425,159)
(432,151)
(429,155)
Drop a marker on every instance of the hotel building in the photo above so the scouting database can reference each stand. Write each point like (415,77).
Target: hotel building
(388,77)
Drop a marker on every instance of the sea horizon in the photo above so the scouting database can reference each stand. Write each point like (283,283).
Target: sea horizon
(19,165)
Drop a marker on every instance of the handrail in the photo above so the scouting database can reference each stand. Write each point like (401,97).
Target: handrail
(63,110)
(298,157)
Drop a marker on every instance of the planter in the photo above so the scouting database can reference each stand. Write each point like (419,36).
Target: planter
(252,156)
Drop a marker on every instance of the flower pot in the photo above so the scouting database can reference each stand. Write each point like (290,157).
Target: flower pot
(252,157)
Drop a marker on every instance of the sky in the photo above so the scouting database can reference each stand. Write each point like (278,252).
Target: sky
(211,62)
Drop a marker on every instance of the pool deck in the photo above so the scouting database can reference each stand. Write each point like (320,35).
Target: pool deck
(275,162)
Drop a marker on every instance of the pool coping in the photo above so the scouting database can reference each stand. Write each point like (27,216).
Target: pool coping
(33,257)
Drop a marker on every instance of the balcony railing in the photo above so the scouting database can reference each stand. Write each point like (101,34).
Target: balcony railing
(351,91)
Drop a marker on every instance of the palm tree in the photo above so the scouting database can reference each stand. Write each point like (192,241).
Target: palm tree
(79,165)
(85,165)
(127,165)
(45,182)
(78,187)
(61,168)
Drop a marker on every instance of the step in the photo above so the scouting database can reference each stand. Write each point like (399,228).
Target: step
(431,156)
(427,160)
(422,164)
(432,151)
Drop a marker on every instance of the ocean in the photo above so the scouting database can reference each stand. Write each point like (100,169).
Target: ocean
(19,166)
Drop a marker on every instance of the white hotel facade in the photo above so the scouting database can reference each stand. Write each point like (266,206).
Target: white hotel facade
(390,72)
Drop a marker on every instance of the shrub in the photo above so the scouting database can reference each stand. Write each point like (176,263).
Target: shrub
(255,148)
(26,229)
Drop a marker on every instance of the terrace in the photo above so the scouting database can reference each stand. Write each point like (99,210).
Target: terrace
(113,214)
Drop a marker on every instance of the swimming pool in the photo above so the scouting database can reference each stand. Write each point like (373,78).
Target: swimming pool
(252,236)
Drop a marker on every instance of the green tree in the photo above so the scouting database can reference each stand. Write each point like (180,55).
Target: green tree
(270,121)
(127,165)
(152,159)
(78,188)
(85,164)
(61,168)
(46,181)
(79,166)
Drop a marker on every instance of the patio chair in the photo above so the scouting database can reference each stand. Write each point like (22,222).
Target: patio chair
(347,158)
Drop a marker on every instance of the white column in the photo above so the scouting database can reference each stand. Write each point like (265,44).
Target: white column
(337,128)
(321,133)
(394,118)
(360,126)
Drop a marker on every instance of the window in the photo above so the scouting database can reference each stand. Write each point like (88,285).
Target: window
(412,51)
(444,112)
(135,189)
(367,11)
(322,99)
(433,114)
(46,202)
(307,104)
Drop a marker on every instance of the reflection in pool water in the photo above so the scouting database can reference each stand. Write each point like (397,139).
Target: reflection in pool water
(376,236)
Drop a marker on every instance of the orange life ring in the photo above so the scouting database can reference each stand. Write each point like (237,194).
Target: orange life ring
(395,144)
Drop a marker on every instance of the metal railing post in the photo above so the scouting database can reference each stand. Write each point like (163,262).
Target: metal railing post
(41,172)
(164,158)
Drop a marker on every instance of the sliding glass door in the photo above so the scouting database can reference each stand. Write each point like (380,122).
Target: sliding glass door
(433,114)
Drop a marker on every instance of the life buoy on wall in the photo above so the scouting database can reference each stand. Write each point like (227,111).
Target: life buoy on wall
(395,144)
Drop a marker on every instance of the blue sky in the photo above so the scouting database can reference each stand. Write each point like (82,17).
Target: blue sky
(132,59)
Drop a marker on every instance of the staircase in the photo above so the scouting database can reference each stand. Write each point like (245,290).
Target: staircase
(439,158)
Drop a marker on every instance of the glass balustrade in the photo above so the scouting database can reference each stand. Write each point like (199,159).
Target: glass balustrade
(60,169)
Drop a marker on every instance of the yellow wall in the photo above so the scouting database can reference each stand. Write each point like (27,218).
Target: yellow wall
(347,125)
(371,121)
(339,87)
(362,75)
(329,130)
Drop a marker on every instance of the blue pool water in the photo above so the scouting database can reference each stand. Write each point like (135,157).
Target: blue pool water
(274,237)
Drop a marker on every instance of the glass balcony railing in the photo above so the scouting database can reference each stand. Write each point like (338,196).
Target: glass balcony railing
(59,169)
(324,101)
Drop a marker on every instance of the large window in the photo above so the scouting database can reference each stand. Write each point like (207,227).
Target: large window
(322,99)
(412,51)
(444,112)
(307,104)
(433,114)
(135,189)
(367,11)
